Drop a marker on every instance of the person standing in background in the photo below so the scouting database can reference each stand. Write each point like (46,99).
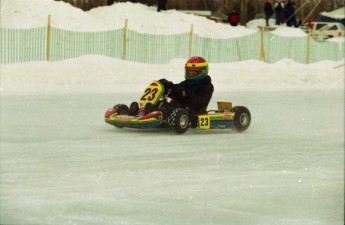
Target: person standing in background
(110,2)
(234,18)
(279,10)
(290,14)
(268,11)
(161,5)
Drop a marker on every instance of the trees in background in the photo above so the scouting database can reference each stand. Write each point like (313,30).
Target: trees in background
(248,9)
(87,4)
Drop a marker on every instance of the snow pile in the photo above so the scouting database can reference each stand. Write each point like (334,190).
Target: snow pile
(34,13)
(256,23)
(282,30)
(98,74)
(289,32)
(141,18)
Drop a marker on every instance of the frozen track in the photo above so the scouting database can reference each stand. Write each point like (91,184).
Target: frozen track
(61,164)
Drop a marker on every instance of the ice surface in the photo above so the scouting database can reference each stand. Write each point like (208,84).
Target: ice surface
(61,164)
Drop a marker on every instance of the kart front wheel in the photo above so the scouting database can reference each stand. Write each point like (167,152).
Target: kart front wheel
(242,118)
(179,120)
(121,109)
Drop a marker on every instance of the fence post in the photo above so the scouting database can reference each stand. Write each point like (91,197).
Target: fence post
(238,50)
(125,40)
(308,46)
(48,39)
(262,46)
(190,41)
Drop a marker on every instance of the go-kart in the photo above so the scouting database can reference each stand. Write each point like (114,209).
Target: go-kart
(148,113)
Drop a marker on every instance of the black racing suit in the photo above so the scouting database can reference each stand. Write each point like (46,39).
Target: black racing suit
(192,96)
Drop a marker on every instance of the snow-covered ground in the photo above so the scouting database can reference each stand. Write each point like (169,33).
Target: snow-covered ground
(97,74)
(34,13)
(61,164)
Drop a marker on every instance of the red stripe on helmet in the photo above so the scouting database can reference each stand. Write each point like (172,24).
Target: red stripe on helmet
(196,59)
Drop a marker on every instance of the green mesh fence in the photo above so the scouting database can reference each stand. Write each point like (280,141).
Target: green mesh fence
(149,48)
(280,47)
(23,45)
(67,44)
(324,50)
(227,50)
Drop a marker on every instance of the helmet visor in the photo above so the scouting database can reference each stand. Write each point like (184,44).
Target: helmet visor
(193,72)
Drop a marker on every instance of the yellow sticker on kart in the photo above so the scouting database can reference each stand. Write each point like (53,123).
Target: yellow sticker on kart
(152,93)
(204,121)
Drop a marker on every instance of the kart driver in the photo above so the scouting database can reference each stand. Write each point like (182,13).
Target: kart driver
(195,92)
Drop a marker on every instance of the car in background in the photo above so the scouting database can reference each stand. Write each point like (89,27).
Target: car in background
(325,30)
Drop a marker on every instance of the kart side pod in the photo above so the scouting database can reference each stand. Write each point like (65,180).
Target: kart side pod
(226,116)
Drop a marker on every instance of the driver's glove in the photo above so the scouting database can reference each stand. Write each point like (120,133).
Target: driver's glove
(167,84)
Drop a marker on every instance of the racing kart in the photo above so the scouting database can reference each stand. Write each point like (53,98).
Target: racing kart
(147,113)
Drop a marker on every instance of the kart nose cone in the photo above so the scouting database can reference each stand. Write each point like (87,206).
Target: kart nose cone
(109,112)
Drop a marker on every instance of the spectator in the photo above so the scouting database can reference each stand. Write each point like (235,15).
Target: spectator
(161,5)
(290,14)
(234,18)
(110,2)
(268,11)
(279,10)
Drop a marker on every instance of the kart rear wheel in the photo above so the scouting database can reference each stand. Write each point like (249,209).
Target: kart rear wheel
(121,109)
(242,118)
(179,120)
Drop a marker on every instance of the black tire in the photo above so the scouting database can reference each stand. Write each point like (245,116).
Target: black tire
(133,109)
(149,107)
(242,118)
(178,120)
(121,109)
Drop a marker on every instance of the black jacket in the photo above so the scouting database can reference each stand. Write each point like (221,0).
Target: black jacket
(194,96)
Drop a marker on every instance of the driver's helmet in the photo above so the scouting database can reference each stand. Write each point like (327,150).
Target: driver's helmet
(196,69)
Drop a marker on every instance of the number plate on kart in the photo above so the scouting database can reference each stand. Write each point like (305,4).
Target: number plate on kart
(152,93)
(204,121)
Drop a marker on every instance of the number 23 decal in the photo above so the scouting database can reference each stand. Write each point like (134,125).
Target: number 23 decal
(204,122)
(149,94)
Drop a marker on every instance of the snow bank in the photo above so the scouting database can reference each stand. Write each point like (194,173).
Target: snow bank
(97,74)
(289,32)
(141,18)
(34,13)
